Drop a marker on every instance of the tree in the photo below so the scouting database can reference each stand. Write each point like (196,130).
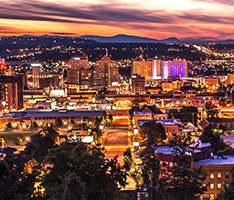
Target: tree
(16,182)
(19,173)
(150,171)
(153,131)
(9,126)
(127,158)
(95,176)
(51,132)
(211,135)
(212,110)
(186,114)
(59,122)
(110,117)
(97,122)
(181,180)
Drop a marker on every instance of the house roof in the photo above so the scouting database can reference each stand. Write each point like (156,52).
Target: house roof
(229,160)
(166,157)
(151,108)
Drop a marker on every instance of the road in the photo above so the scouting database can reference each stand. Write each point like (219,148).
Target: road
(115,140)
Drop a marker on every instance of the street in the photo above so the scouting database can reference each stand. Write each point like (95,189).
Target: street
(115,140)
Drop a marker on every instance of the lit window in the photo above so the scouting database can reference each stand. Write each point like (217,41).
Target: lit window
(219,175)
(212,175)
(212,186)
(212,197)
(219,185)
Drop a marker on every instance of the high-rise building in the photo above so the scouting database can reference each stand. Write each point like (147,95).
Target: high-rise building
(52,79)
(86,77)
(72,76)
(160,69)
(106,72)
(11,89)
(79,62)
(138,84)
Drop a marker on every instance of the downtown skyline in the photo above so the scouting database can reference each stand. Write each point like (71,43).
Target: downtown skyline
(209,19)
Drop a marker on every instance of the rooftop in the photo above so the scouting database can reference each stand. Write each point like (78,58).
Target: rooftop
(229,160)
(140,122)
(52,113)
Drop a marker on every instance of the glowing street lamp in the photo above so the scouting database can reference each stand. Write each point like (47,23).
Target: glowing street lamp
(101,127)
(135,131)
(27,139)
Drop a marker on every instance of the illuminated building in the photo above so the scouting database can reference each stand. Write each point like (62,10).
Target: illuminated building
(2,66)
(138,84)
(11,89)
(72,76)
(155,69)
(86,77)
(211,82)
(230,79)
(79,62)
(218,170)
(45,79)
(106,72)
(80,76)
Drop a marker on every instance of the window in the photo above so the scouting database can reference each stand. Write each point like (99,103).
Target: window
(212,197)
(212,175)
(227,175)
(212,186)
(219,175)
(219,186)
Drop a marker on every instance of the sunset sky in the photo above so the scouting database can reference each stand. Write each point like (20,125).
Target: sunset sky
(159,19)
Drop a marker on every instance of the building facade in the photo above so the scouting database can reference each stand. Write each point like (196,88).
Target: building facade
(106,72)
(138,84)
(79,62)
(11,88)
(155,69)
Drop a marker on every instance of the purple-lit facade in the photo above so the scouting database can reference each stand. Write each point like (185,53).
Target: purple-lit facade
(2,60)
(160,69)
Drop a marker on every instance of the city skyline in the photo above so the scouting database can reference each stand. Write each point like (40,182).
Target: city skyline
(210,19)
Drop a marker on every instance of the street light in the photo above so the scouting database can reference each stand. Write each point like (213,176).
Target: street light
(135,131)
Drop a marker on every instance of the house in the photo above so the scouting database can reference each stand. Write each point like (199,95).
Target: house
(218,169)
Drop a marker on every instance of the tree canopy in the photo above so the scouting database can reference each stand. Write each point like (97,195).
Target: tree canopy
(153,132)
(94,176)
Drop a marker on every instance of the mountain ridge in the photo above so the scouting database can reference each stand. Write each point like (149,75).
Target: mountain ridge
(123,38)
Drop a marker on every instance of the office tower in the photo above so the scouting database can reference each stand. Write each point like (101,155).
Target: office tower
(148,69)
(79,62)
(35,74)
(11,89)
(106,72)
(73,76)
(86,77)
(138,84)
(160,69)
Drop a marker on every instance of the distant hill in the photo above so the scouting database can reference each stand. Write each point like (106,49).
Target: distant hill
(119,39)
(128,39)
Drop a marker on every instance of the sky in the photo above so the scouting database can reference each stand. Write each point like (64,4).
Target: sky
(158,19)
